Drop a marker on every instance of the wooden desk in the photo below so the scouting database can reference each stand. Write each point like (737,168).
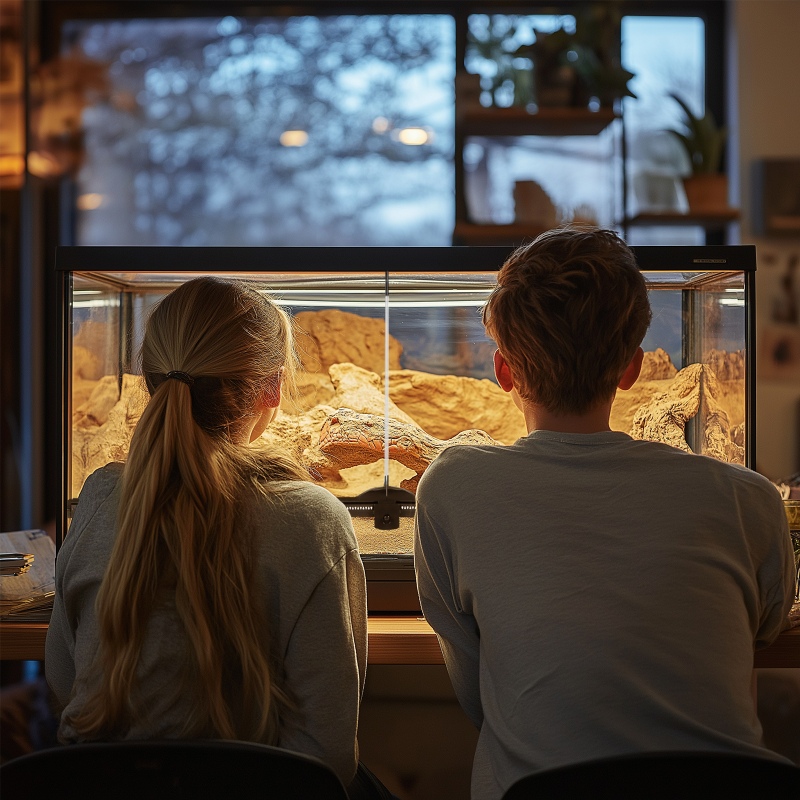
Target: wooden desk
(22,641)
(392,640)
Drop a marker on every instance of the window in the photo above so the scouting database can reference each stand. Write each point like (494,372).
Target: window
(667,56)
(272,131)
(580,177)
(340,129)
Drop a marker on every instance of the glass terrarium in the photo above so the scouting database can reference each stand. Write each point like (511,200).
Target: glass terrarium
(396,366)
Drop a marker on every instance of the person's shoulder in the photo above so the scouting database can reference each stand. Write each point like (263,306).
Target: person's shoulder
(94,524)
(735,473)
(307,510)
(748,479)
(701,469)
(104,477)
(309,498)
(459,462)
(100,485)
(464,455)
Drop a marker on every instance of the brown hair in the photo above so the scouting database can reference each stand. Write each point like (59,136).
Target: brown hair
(176,528)
(567,314)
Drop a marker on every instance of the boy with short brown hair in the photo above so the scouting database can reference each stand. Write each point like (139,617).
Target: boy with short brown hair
(569,360)
(593,595)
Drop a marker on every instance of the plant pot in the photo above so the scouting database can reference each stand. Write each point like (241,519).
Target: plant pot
(706,192)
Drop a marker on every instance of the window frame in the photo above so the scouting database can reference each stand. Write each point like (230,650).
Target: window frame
(54,13)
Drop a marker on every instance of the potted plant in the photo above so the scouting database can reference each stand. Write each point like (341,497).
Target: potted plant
(702,139)
(581,68)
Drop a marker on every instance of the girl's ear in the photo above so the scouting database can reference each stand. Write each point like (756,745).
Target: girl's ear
(503,372)
(272,396)
(632,370)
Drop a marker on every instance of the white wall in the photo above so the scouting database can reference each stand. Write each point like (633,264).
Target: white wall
(765,91)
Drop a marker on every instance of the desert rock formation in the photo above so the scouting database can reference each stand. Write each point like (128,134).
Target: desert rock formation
(343,356)
(693,393)
(657,366)
(103,426)
(445,405)
(332,336)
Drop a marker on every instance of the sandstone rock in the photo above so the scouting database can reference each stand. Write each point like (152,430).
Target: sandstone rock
(95,446)
(94,350)
(333,336)
(363,391)
(313,389)
(657,366)
(85,364)
(628,402)
(94,411)
(693,391)
(81,391)
(727,366)
(444,405)
(737,435)
(351,387)
(730,395)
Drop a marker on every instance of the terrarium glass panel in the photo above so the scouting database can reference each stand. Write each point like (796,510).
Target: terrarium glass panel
(396,367)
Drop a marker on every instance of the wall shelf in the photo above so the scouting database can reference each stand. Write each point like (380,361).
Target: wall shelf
(715,219)
(468,233)
(517,121)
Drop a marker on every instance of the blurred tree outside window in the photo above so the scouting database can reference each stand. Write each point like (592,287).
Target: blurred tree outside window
(274,131)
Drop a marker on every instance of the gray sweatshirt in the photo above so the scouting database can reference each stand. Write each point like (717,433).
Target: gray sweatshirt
(596,596)
(315,597)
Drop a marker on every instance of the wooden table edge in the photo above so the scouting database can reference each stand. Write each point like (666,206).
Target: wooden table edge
(392,640)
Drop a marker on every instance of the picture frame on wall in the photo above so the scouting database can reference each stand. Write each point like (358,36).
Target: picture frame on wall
(779,356)
(779,337)
(776,200)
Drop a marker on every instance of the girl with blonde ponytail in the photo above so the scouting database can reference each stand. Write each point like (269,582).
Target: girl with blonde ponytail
(206,588)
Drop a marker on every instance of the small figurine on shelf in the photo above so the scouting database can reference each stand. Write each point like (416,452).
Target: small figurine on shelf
(533,206)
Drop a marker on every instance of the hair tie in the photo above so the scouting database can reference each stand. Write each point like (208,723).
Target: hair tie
(183,377)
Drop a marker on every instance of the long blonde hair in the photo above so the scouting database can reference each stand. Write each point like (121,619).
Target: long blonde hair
(185,473)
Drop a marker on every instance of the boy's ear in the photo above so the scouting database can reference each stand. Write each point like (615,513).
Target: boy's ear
(632,370)
(503,372)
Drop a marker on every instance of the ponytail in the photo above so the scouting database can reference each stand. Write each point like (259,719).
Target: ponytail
(177,532)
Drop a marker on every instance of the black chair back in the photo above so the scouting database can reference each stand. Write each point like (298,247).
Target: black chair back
(169,770)
(663,776)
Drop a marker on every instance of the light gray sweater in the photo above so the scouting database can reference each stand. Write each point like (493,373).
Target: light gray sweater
(596,595)
(315,597)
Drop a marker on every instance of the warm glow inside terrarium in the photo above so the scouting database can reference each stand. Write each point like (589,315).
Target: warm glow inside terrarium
(396,365)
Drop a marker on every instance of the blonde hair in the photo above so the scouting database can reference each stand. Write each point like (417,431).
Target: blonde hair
(177,513)
(568,312)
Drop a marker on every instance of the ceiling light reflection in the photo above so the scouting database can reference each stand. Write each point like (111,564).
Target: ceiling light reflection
(90,201)
(294,138)
(414,136)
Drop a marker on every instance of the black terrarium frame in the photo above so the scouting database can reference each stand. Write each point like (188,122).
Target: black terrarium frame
(390,577)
